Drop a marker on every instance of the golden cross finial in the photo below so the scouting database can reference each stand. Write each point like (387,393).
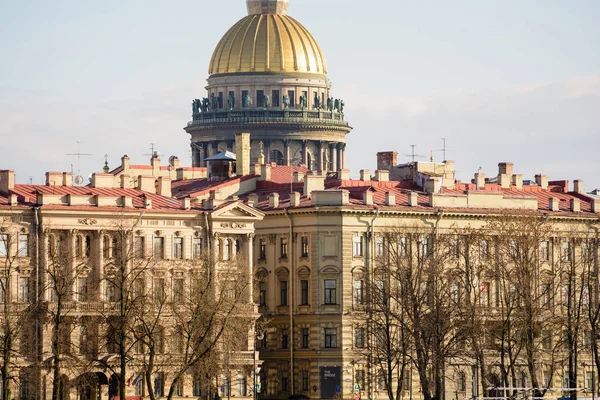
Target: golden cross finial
(431,156)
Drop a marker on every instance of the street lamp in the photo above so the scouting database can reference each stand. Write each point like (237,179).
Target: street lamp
(259,336)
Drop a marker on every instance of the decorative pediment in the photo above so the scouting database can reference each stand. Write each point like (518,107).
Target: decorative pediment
(237,211)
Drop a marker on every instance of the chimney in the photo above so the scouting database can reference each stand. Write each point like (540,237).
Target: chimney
(433,185)
(365,175)
(382,175)
(186,203)
(265,172)
(67,179)
(54,178)
(313,182)
(578,186)
(294,199)
(343,174)
(505,168)
(596,206)
(517,180)
(554,204)
(386,160)
(252,199)
(174,162)
(274,200)
(413,199)
(147,202)
(147,184)
(542,181)
(242,153)
(164,186)
(480,181)
(390,199)
(125,162)
(368,197)
(127,201)
(13,200)
(298,176)
(125,181)
(7,180)
(155,162)
(575,205)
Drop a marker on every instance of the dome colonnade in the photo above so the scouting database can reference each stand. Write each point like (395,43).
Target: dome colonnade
(268,76)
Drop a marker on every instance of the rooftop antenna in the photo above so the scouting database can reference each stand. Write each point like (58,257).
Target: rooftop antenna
(445,149)
(153,151)
(413,154)
(78,178)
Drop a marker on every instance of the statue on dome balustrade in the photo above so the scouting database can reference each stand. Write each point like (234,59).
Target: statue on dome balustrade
(267,101)
(196,105)
(342,106)
(303,102)
(317,101)
(205,104)
(286,101)
(330,103)
(336,105)
(247,101)
(214,101)
(231,101)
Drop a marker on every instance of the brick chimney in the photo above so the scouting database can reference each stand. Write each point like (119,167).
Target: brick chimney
(554,204)
(147,184)
(368,198)
(7,180)
(313,182)
(164,186)
(242,153)
(253,199)
(542,181)
(578,186)
(505,168)
(386,160)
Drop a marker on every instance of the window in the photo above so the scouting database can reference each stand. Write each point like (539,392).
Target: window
(260,98)
(179,387)
(545,251)
(82,289)
(243,99)
(284,382)
(220,99)
(425,246)
(262,294)
(330,338)
(106,247)
(23,245)
(304,338)
(304,246)
(275,101)
(484,249)
(379,246)
(585,295)
(3,290)
(197,386)
(357,248)
(140,388)
(87,246)
(237,247)
(454,248)
(454,292)
(23,386)
(305,381)
(283,248)
(178,248)
(292,97)
(196,248)
(461,383)
(303,292)
(565,252)
(111,291)
(241,385)
(178,290)
(283,291)
(139,247)
(262,249)
(359,338)
(285,337)
(484,294)
(24,290)
(546,340)
(330,291)
(159,290)
(158,247)
(359,378)
(565,293)
(159,384)
(546,295)
(589,380)
(3,245)
(226,250)
(359,292)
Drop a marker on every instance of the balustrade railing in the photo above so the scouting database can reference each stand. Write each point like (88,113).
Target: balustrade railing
(264,115)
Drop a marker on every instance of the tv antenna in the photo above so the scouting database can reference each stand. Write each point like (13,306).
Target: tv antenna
(444,149)
(153,151)
(413,153)
(78,179)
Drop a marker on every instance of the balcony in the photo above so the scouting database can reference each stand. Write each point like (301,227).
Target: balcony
(267,117)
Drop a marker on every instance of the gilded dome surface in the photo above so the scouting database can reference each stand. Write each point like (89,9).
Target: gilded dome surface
(267,43)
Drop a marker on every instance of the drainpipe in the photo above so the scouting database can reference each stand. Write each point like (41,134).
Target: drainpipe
(369,262)
(291,302)
(38,234)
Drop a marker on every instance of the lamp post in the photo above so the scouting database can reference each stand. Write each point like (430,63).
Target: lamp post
(259,336)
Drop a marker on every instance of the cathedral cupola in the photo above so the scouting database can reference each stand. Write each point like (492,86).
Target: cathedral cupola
(267,7)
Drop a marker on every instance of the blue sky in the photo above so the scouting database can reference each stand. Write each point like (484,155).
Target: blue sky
(501,80)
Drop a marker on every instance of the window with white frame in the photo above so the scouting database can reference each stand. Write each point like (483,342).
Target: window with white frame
(357,246)
(24,289)
(23,245)
(3,245)
(158,247)
(379,246)
(196,248)
(178,248)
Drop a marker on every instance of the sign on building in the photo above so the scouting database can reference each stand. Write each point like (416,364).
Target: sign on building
(331,380)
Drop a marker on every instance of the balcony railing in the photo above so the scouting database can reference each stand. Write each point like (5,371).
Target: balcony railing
(268,116)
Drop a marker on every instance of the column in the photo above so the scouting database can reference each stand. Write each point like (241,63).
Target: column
(333,151)
(215,148)
(342,158)
(338,149)
(250,260)
(287,160)
(320,156)
(267,150)
(305,153)
(100,272)
(203,154)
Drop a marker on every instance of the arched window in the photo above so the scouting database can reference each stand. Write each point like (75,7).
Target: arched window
(87,249)
(241,385)
(78,246)
(276,157)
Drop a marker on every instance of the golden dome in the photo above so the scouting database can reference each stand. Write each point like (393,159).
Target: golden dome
(267,43)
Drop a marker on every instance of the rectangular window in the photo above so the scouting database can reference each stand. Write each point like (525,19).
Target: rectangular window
(359,377)
(484,294)
(275,99)
(82,289)
(3,245)
(303,292)
(24,290)
(262,249)
(260,98)
(566,293)
(284,382)
(402,247)
(359,292)
(285,337)
(589,380)
(139,384)
(304,246)
(379,246)
(546,295)
(23,245)
(305,338)
(292,97)
(220,97)
(330,338)
(111,292)
(359,338)
(196,248)
(159,384)
(565,251)
(546,340)
(139,247)
(425,247)
(283,248)
(178,248)
(158,248)
(283,291)
(159,290)
(178,290)
(242,99)
(454,252)
(305,381)
(262,295)
(545,251)
(197,389)
(484,249)
(357,248)
(3,290)
(330,291)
